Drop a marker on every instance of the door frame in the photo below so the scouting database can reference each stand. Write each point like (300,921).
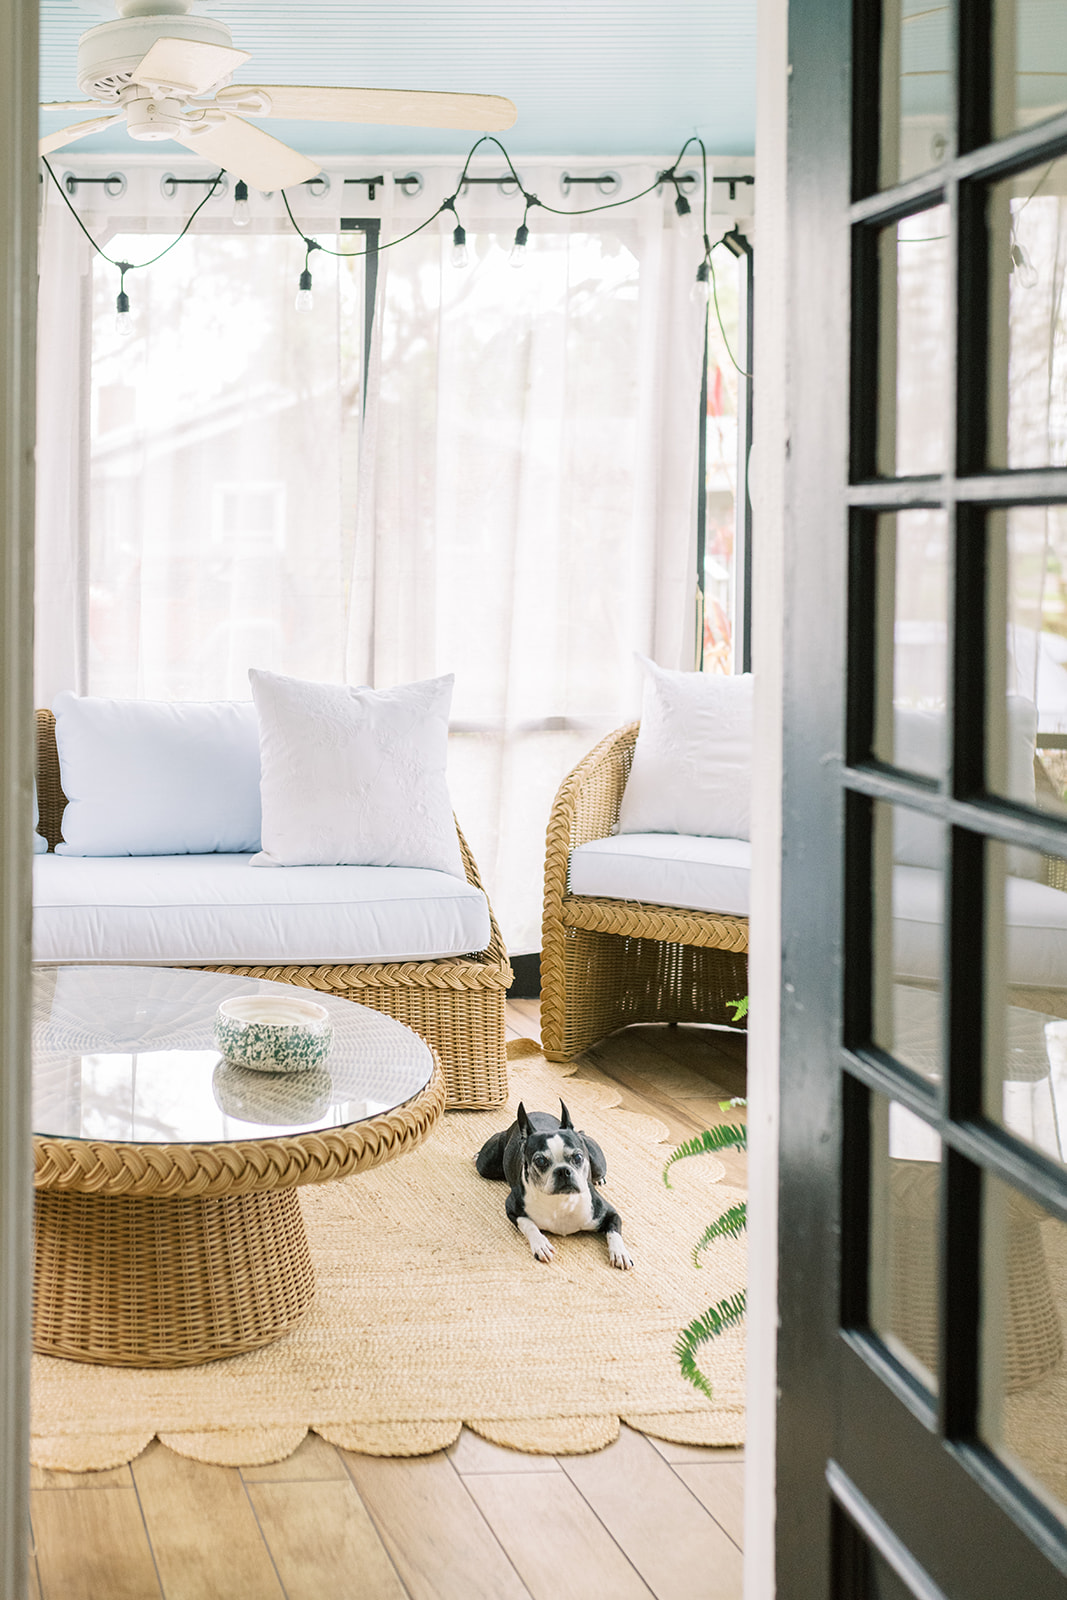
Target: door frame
(18,292)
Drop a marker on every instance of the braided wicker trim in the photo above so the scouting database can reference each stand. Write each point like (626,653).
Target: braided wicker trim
(456,972)
(709,929)
(89,1166)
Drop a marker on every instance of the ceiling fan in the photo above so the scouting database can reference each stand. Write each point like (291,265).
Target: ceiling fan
(168,75)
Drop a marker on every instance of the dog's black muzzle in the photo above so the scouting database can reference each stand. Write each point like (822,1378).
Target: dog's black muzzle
(564,1181)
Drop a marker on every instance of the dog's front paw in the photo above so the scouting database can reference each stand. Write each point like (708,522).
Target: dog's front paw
(618,1254)
(540,1248)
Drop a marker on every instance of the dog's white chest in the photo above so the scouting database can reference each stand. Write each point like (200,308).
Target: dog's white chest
(559,1213)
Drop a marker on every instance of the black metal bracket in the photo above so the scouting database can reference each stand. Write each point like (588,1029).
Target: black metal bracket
(170,185)
(745,177)
(114,184)
(606,182)
(411,183)
(505,184)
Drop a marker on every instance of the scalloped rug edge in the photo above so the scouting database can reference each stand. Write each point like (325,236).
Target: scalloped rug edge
(256,1447)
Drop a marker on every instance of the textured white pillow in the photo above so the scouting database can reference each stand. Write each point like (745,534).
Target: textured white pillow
(157,778)
(355,776)
(692,767)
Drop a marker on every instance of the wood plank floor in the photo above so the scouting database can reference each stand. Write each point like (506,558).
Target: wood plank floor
(476,1522)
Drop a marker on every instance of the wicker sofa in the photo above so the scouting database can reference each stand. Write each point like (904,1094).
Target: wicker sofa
(605,962)
(456,1003)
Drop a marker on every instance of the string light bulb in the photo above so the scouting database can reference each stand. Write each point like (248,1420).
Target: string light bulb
(517,257)
(304,298)
(304,301)
(123,319)
(242,212)
(460,258)
(700,293)
(688,221)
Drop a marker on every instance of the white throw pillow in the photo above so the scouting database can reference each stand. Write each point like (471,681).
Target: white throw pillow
(692,766)
(157,778)
(355,776)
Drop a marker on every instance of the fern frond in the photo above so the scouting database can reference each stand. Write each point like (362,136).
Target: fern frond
(730,1225)
(732,1136)
(740,1008)
(715,1321)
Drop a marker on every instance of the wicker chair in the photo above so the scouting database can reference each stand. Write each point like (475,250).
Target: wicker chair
(607,963)
(456,1004)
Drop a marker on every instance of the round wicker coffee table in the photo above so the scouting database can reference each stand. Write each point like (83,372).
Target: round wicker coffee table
(168,1228)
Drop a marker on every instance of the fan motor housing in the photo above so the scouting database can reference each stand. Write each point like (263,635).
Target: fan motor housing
(108,54)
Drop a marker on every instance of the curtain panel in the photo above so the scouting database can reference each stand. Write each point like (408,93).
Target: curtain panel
(508,493)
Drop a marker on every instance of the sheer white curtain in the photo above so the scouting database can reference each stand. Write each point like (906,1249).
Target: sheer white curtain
(514,504)
(63,352)
(197,479)
(529,518)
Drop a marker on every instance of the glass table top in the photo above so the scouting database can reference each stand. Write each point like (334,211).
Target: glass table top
(127,1054)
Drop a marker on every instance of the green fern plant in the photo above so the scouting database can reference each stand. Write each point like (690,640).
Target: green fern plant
(729,1312)
(716,1319)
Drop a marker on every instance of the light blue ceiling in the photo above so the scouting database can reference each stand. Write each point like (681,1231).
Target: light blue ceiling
(589,77)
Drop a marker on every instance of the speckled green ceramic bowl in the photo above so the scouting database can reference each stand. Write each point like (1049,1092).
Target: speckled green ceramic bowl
(273,1033)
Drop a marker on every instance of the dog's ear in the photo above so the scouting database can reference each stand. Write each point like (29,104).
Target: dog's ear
(598,1166)
(566,1123)
(523,1120)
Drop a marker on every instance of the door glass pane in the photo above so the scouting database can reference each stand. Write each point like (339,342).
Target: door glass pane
(1029,62)
(1027,655)
(913,345)
(1023,1415)
(916,88)
(1026,220)
(909,877)
(905,1185)
(1026,996)
(912,628)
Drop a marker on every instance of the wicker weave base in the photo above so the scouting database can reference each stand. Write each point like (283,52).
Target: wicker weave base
(1033,1339)
(607,963)
(139,1281)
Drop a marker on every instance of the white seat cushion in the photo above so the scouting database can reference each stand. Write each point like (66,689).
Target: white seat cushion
(665,869)
(216,908)
(1036,933)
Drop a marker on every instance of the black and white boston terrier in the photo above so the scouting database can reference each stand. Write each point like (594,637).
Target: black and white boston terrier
(552,1170)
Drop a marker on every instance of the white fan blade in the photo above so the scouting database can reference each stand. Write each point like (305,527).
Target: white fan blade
(249,153)
(75,105)
(413,108)
(184,66)
(77,130)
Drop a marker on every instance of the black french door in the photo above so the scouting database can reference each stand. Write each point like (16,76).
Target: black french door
(922,1425)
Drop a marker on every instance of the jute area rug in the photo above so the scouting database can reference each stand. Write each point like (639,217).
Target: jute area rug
(431,1313)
